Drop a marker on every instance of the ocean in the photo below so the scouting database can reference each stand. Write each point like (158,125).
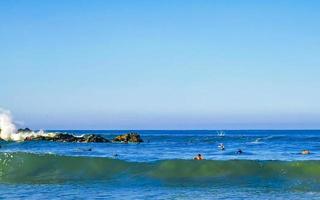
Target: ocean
(270,166)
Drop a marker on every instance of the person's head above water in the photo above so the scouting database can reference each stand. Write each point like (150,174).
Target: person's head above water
(305,152)
(198,157)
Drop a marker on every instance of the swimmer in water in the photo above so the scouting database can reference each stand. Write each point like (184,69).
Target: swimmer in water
(198,157)
(221,146)
(305,152)
(82,149)
(239,151)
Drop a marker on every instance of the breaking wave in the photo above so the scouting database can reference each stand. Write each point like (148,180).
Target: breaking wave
(21,167)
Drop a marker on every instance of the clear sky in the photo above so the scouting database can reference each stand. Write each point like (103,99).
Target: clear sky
(98,64)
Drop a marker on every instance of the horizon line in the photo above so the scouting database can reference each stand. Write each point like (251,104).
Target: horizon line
(318,129)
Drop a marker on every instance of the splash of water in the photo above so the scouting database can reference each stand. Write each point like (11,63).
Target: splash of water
(8,130)
(221,133)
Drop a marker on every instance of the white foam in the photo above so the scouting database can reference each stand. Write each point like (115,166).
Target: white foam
(221,133)
(9,129)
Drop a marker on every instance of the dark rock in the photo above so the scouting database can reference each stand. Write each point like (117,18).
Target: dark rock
(21,130)
(63,137)
(129,137)
(95,138)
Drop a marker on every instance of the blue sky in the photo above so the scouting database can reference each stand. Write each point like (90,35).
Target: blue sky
(161,64)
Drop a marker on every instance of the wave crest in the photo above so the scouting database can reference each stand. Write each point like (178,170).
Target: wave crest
(46,168)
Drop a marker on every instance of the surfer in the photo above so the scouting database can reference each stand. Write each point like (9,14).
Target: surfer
(239,151)
(198,157)
(221,146)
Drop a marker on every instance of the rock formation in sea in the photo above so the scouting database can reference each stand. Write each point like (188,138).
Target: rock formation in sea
(129,137)
(24,130)
(30,135)
(64,137)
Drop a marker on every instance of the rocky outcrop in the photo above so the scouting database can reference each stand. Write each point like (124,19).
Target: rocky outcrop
(129,137)
(95,138)
(63,137)
(24,130)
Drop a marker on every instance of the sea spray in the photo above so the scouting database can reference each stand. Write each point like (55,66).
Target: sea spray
(9,130)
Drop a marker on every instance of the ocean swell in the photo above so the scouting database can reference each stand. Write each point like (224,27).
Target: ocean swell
(49,168)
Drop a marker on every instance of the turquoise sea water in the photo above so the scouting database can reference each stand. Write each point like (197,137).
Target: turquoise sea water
(270,167)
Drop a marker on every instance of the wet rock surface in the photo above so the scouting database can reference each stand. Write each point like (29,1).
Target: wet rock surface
(91,138)
(95,138)
(129,137)
(63,137)
(24,130)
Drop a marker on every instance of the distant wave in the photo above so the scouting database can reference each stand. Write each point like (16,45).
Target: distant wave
(257,141)
(49,168)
